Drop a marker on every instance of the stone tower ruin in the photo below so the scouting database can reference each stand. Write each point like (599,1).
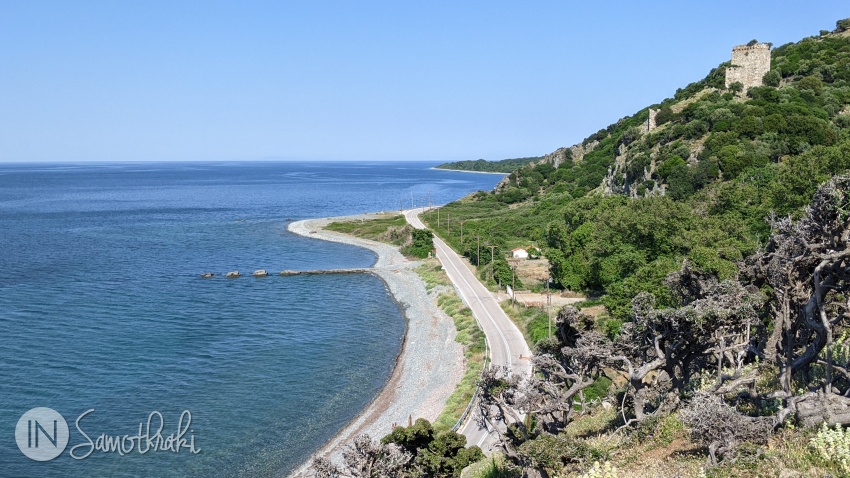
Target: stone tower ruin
(749,64)
(650,122)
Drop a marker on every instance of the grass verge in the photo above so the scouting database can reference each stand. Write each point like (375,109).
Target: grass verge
(469,335)
(531,321)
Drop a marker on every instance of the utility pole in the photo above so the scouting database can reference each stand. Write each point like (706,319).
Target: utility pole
(438,217)
(492,263)
(549,303)
(449,222)
(478,254)
(513,284)
(461,235)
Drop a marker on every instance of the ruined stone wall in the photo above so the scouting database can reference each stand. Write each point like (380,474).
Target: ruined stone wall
(650,122)
(749,64)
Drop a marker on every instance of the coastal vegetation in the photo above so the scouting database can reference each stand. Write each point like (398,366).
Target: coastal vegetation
(481,165)
(412,451)
(719,243)
(718,240)
(738,371)
(389,228)
(392,229)
(616,221)
(533,322)
(477,233)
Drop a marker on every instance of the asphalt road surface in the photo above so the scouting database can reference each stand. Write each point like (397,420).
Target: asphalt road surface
(507,345)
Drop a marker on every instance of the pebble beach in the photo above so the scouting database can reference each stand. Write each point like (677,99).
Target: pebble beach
(431,363)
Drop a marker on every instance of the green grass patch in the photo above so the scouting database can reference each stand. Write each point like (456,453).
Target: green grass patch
(600,389)
(595,423)
(494,466)
(533,322)
(659,431)
(432,273)
(392,229)
(588,303)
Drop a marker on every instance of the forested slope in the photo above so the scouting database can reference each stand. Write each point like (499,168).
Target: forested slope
(719,241)
(635,203)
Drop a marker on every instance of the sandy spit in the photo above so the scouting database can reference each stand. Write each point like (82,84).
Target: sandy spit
(431,362)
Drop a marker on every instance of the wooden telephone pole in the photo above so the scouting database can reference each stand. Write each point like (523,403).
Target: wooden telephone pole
(549,303)
(513,284)
(492,263)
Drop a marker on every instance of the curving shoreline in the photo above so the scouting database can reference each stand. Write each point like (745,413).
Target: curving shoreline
(465,171)
(430,364)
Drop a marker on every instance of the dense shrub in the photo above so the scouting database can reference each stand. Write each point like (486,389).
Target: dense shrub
(772,78)
(422,244)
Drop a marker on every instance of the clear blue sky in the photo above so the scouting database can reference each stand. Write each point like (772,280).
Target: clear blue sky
(354,80)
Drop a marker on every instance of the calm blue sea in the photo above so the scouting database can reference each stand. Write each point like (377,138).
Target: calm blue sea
(101,307)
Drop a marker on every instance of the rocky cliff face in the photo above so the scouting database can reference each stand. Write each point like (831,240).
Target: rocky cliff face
(578,151)
(556,158)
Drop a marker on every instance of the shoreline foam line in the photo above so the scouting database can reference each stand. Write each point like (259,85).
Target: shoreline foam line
(430,364)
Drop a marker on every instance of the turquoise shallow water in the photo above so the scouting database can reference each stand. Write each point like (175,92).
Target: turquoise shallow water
(101,307)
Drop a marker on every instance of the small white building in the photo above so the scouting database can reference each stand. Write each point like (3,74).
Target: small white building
(519,253)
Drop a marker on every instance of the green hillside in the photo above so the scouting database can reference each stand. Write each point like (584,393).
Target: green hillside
(699,186)
(718,240)
(484,166)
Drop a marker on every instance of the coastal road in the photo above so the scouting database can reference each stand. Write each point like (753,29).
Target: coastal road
(507,345)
